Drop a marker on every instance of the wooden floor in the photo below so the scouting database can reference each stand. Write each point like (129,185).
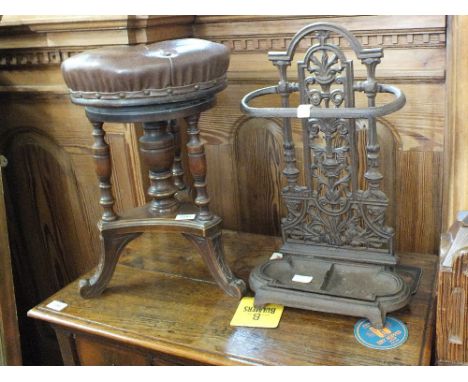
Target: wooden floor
(163,299)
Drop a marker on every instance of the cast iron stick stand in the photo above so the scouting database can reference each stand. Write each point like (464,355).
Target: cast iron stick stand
(334,233)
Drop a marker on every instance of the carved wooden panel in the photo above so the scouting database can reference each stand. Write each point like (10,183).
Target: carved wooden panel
(452,295)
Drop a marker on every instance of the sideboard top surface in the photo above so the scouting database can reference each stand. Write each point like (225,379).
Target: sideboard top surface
(162,299)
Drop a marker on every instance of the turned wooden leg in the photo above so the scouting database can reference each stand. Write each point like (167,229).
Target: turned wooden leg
(177,170)
(211,250)
(158,151)
(101,155)
(112,245)
(197,166)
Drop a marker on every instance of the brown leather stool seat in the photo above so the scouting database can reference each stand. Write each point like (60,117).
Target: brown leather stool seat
(163,72)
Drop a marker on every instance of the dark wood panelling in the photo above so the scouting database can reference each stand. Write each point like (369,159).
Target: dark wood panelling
(258,164)
(418,201)
(41,191)
(10,348)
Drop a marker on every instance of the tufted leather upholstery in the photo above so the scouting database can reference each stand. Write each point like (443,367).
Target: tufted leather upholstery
(163,72)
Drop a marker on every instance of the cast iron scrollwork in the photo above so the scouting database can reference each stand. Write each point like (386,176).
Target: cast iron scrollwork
(332,210)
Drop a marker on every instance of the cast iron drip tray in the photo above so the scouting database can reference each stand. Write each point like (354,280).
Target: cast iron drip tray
(349,280)
(355,289)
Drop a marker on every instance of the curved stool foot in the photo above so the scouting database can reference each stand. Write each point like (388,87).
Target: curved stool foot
(212,252)
(111,247)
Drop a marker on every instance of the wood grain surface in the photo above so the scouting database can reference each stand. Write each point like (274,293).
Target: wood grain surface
(452,313)
(10,348)
(455,159)
(452,295)
(162,299)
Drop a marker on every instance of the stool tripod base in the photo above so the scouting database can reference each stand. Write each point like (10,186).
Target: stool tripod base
(205,235)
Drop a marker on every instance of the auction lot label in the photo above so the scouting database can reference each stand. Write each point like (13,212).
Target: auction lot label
(393,335)
(247,314)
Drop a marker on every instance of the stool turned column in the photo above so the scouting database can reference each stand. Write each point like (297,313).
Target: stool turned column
(197,165)
(158,151)
(101,155)
(156,85)
(177,170)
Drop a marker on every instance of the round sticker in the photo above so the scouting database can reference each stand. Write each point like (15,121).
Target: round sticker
(392,335)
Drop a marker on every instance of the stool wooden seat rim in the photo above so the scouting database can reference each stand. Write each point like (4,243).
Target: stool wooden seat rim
(150,113)
(160,97)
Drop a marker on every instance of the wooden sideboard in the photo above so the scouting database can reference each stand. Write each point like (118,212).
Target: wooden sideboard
(51,190)
(163,308)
